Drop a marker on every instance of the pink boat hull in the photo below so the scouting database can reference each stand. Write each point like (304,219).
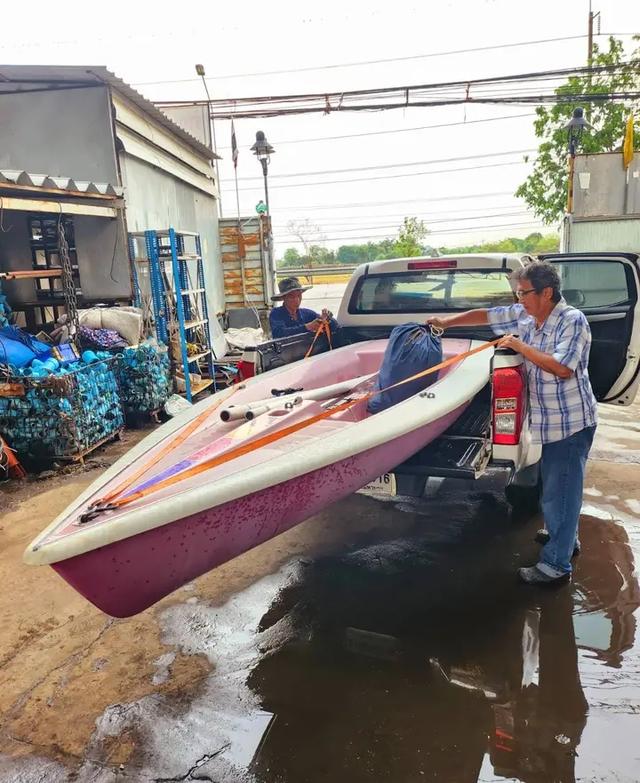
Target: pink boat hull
(128,576)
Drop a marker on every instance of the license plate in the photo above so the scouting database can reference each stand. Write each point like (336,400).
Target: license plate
(383,485)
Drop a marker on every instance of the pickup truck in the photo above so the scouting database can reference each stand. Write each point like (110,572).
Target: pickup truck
(492,434)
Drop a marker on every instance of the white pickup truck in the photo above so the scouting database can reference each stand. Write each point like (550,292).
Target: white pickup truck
(492,433)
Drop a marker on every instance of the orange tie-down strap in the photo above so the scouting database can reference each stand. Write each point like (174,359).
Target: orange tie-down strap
(172,444)
(324,327)
(247,448)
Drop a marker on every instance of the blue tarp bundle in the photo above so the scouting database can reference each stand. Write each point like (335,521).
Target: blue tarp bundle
(18,349)
(411,349)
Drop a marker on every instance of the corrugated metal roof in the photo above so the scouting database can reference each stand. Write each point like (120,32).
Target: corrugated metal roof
(28,180)
(51,77)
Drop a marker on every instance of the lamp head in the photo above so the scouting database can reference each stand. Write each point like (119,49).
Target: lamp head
(262,149)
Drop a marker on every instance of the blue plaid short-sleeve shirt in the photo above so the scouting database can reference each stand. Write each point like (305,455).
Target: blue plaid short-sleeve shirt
(558,407)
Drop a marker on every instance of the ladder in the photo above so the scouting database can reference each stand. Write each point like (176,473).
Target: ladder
(191,310)
(179,300)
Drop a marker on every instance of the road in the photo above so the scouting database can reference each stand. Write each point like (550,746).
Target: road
(322,295)
(380,640)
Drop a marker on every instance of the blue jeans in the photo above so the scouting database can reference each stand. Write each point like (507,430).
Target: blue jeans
(563,466)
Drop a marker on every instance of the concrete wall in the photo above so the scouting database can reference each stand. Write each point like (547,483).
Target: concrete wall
(62,133)
(607,190)
(157,200)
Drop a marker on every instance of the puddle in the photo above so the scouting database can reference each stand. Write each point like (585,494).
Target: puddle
(422,662)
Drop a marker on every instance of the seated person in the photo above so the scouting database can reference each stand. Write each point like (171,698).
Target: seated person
(290,318)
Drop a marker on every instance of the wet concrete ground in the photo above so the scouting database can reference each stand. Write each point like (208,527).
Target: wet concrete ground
(381,640)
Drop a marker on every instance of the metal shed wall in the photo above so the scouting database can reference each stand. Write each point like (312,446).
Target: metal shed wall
(194,119)
(61,133)
(605,235)
(157,200)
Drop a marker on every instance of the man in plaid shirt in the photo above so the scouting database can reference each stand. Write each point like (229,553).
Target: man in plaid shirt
(554,340)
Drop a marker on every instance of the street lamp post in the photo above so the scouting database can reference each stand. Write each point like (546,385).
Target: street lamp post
(212,127)
(263,151)
(575,128)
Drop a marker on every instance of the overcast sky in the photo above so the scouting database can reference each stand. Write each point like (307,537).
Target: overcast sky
(154,46)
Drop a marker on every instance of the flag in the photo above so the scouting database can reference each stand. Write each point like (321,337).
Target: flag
(234,146)
(627,146)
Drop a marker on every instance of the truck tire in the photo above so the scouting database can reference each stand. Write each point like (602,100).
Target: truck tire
(523,499)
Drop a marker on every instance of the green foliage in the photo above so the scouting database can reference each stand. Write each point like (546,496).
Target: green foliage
(535,243)
(545,190)
(410,236)
(320,256)
(363,254)
(291,258)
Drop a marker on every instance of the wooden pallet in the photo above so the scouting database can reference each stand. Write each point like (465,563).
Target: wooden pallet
(81,455)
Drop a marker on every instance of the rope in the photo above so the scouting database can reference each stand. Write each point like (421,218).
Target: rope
(117,502)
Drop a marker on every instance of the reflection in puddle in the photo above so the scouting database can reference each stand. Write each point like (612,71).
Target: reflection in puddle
(422,659)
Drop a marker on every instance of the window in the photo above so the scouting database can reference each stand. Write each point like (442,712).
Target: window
(593,283)
(431,291)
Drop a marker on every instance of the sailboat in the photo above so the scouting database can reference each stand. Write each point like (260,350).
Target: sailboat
(242,466)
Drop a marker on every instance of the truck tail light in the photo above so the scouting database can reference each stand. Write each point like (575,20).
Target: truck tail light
(432,264)
(508,404)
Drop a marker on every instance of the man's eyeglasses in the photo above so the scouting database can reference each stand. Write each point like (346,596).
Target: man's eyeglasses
(522,293)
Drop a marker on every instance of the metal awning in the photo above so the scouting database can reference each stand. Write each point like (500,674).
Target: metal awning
(13,180)
(37,78)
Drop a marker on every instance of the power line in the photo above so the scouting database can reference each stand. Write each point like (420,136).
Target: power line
(368,204)
(483,90)
(349,219)
(395,226)
(486,91)
(391,176)
(360,63)
(476,229)
(387,165)
(339,229)
(397,130)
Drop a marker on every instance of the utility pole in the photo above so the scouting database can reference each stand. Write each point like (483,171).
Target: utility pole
(592,17)
(212,129)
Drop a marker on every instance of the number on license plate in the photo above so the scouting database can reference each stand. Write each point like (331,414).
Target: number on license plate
(383,485)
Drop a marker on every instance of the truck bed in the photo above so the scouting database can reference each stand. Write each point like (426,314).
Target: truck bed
(463,451)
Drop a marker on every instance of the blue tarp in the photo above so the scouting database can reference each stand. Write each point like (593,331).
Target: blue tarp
(18,349)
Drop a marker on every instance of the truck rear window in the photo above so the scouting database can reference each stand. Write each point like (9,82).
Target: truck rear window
(431,291)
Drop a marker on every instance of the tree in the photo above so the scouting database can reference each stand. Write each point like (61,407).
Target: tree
(307,232)
(291,258)
(408,242)
(545,190)
(320,256)
(534,243)
(410,236)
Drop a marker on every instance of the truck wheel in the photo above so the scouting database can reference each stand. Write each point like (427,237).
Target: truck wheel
(523,499)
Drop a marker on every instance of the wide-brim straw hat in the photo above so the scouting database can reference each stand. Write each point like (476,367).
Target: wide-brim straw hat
(289,284)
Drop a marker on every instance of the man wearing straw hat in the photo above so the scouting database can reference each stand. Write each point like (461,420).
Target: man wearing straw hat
(290,318)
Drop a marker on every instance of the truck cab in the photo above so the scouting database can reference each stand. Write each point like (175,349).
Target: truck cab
(493,431)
